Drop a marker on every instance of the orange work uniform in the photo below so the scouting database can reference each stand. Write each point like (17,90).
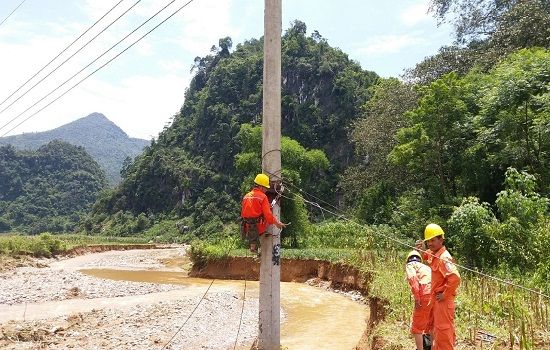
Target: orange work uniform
(445,279)
(419,277)
(255,205)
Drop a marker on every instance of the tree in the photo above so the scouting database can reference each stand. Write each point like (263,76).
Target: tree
(522,210)
(48,189)
(374,137)
(473,19)
(486,32)
(126,165)
(434,142)
(471,233)
(514,122)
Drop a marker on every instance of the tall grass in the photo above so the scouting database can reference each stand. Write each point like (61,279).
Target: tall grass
(47,245)
(503,314)
(489,314)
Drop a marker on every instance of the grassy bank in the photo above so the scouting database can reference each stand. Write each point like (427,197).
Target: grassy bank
(47,245)
(485,309)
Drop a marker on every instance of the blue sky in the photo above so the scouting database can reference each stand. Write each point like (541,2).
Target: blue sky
(143,88)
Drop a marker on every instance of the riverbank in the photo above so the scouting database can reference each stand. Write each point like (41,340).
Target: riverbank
(84,312)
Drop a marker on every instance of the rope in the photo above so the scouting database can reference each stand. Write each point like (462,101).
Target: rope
(242,309)
(188,317)
(276,171)
(424,251)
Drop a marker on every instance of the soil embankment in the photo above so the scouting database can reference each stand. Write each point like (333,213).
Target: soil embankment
(292,270)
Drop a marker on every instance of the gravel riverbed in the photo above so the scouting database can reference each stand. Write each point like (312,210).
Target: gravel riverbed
(149,324)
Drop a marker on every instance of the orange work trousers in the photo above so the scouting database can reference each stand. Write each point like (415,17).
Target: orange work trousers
(421,316)
(443,313)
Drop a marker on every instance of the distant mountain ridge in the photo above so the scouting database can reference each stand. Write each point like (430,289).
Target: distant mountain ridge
(108,144)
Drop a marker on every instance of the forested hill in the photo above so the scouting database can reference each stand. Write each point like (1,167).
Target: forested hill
(101,138)
(191,170)
(48,189)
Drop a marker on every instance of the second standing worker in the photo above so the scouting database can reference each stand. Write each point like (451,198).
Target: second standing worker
(419,277)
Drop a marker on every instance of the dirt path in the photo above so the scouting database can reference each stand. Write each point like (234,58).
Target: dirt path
(144,298)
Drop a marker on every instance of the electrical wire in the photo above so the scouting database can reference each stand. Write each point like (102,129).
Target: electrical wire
(63,51)
(65,61)
(188,317)
(316,198)
(242,309)
(95,71)
(299,189)
(388,237)
(11,13)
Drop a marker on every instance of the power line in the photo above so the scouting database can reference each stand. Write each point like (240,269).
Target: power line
(92,73)
(242,309)
(11,13)
(59,54)
(297,188)
(389,237)
(188,317)
(316,198)
(65,61)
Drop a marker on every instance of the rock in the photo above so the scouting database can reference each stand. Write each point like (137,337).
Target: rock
(56,329)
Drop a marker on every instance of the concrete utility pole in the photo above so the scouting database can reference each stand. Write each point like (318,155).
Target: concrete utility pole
(270,269)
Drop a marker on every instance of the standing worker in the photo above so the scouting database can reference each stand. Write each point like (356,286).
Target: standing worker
(445,282)
(256,212)
(419,277)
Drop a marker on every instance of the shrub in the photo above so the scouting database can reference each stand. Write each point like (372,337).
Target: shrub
(338,234)
(167,231)
(201,252)
(471,232)
(296,213)
(520,200)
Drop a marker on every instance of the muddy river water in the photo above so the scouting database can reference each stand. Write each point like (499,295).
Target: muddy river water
(313,318)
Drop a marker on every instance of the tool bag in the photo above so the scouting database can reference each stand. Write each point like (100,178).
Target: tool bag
(427,342)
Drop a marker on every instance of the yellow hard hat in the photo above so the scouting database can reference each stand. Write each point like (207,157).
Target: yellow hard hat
(414,256)
(433,230)
(262,180)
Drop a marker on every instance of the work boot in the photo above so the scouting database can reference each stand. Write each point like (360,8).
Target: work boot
(254,248)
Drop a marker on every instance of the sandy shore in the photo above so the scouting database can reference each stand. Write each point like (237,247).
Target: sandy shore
(108,314)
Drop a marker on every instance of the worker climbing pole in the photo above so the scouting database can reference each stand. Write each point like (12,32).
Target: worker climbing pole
(269,336)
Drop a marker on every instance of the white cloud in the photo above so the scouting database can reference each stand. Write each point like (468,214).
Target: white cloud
(388,44)
(144,87)
(141,105)
(203,25)
(415,14)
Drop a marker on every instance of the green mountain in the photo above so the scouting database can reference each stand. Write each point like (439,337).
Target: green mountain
(101,138)
(47,189)
(191,172)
